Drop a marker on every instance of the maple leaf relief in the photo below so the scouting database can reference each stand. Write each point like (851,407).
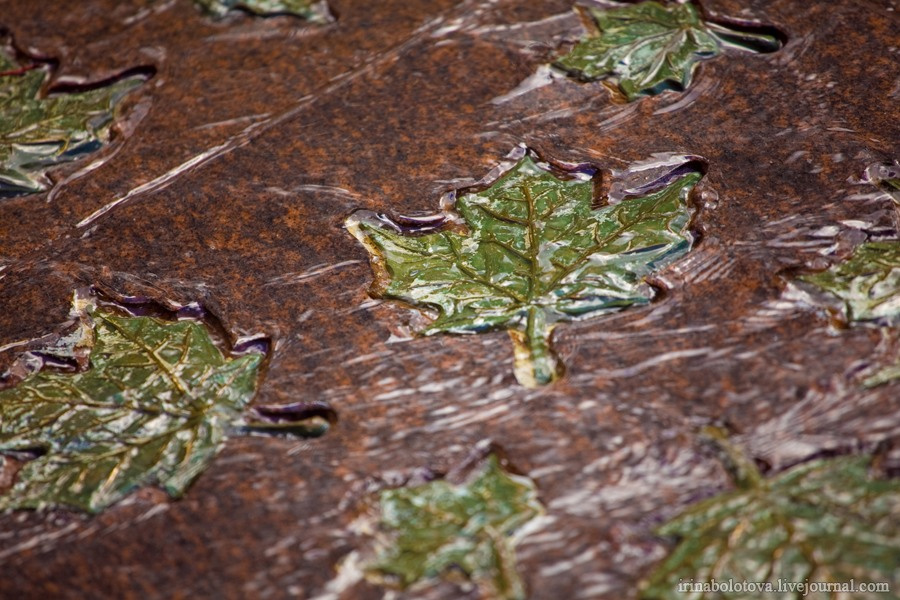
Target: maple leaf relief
(435,528)
(649,47)
(154,406)
(40,129)
(826,520)
(314,11)
(530,251)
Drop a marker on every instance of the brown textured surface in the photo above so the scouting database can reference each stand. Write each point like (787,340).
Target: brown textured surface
(386,110)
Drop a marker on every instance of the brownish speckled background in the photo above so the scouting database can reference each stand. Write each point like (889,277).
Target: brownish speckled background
(287,128)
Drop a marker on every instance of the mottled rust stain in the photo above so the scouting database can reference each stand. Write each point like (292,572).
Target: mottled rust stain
(386,110)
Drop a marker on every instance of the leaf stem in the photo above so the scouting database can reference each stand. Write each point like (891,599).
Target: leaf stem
(535,362)
(742,469)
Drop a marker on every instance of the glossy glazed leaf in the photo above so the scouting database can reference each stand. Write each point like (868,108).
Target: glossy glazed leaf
(649,47)
(882,376)
(38,132)
(868,283)
(439,526)
(311,10)
(536,253)
(822,521)
(154,407)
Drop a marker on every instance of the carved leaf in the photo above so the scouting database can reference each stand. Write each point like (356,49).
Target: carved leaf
(154,407)
(38,131)
(311,10)
(438,526)
(867,284)
(649,47)
(826,521)
(535,252)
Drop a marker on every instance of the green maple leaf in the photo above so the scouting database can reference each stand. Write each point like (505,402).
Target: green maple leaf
(867,284)
(535,253)
(868,287)
(822,521)
(435,527)
(154,407)
(311,10)
(39,131)
(649,47)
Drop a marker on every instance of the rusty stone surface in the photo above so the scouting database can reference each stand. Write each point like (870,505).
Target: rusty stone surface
(239,161)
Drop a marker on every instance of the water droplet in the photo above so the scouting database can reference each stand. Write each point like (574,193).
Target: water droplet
(709,198)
